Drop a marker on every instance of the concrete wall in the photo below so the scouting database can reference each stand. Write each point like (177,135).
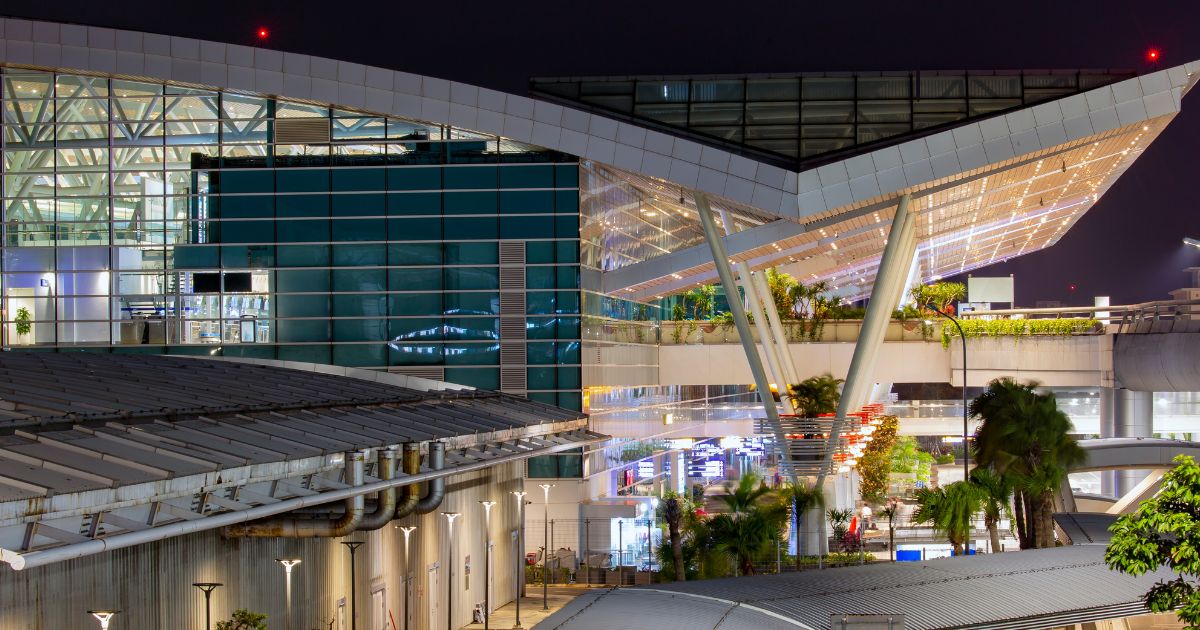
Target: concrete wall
(152,584)
(725,364)
(1080,361)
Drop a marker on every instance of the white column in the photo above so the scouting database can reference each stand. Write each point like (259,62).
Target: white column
(764,335)
(1134,418)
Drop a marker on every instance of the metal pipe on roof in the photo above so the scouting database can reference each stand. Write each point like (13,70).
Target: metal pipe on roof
(385,503)
(292,527)
(410,463)
(19,561)
(437,487)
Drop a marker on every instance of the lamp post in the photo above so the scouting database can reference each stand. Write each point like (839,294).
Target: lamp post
(546,547)
(208,588)
(288,564)
(966,437)
(103,616)
(407,532)
(450,516)
(353,546)
(520,495)
(487,559)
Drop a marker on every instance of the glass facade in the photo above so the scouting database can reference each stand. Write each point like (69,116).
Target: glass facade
(794,118)
(143,217)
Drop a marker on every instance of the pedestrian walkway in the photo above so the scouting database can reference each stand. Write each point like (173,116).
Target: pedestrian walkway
(505,617)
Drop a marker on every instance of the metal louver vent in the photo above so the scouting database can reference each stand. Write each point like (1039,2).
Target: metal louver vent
(432,373)
(512,353)
(302,131)
(512,303)
(512,380)
(512,328)
(512,253)
(512,278)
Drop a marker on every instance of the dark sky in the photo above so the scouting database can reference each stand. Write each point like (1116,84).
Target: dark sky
(1128,246)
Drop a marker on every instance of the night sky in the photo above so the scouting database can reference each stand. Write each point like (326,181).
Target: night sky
(1128,246)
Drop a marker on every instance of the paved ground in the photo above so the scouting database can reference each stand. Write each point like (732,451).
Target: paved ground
(504,618)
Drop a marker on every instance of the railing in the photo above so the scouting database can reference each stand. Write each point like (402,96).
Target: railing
(1148,317)
(690,332)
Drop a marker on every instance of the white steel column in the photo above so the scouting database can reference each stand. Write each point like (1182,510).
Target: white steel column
(770,350)
(781,342)
(893,271)
(721,262)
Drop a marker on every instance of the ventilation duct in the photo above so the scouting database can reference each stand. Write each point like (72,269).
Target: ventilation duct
(385,504)
(410,463)
(293,527)
(437,487)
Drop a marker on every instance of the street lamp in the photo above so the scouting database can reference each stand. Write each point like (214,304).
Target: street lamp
(649,535)
(966,436)
(407,575)
(208,588)
(353,546)
(1191,241)
(546,546)
(103,616)
(487,559)
(450,516)
(288,563)
(520,495)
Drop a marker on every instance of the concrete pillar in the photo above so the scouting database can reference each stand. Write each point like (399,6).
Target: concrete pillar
(678,472)
(1133,418)
(1108,429)
(659,478)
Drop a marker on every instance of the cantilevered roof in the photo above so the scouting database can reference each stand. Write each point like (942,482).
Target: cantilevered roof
(100,447)
(801,120)
(1017,590)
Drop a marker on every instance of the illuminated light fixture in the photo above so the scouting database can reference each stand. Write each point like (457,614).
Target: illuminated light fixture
(1191,241)
(262,33)
(1153,55)
(103,616)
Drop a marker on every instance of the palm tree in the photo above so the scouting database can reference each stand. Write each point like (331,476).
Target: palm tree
(800,498)
(890,513)
(996,492)
(673,510)
(1025,437)
(950,510)
(816,395)
(751,523)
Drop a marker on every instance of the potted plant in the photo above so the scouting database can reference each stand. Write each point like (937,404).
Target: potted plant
(24,323)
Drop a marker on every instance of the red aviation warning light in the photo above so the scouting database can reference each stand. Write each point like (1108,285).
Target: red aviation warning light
(1152,55)
(262,33)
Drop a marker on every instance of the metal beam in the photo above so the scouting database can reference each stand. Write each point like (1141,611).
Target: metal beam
(721,260)
(893,270)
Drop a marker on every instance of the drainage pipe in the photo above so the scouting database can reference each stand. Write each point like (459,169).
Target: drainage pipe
(293,527)
(437,487)
(385,502)
(410,463)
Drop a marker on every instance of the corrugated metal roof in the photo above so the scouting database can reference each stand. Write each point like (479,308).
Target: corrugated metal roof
(77,422)
(1028,589)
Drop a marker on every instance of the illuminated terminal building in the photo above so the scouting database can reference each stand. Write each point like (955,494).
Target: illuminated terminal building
(166,195)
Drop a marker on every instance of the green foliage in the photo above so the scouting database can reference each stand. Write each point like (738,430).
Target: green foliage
(750,526)
(945,458)
(23,321)
(1026,438)
(940,295)
(244,620)
(678,312)
(907,457)
(723,320)
(816,395)
(701,300)
(636,451)
(1165,532)
(674,509)
(876,463)
(1020,328)
(950,510)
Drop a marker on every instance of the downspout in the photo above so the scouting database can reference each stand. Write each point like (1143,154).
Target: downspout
(410,463)
(292,527)
(437,487)
(385,503)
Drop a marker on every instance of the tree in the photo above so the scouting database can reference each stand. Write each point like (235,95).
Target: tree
(816,395)
(673,510)
(890,513)
(1026,438)
(244,620)
(907,457)
(950,510)
(876,463)
(995,493)
(751,523)
(800,498)
(702,299)
(941,295)
(1165,532)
